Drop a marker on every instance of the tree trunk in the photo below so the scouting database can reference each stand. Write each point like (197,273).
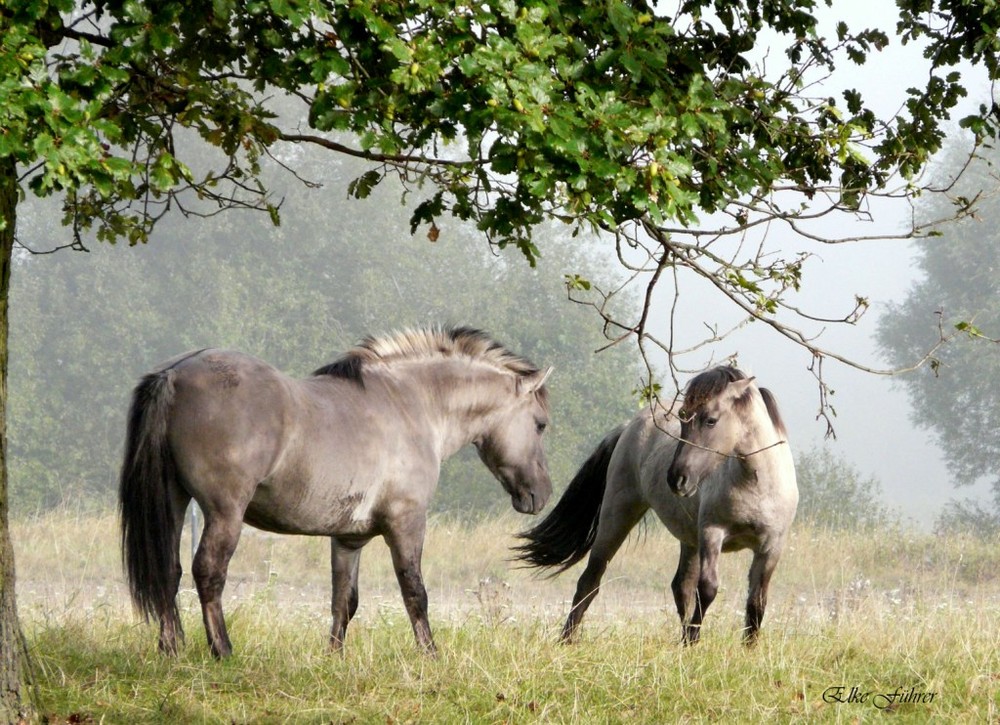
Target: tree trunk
(14,702)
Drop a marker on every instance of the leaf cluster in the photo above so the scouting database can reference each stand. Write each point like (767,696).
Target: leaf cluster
(92,107)
(601,114)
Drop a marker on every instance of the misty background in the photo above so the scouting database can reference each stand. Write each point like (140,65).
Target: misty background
(86,325)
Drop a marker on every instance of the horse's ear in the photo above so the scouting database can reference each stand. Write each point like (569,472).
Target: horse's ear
(531,383)
(738,387)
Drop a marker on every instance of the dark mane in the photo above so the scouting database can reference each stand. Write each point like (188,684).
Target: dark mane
(347,367)
(435,341)
(707,385)
(772,410)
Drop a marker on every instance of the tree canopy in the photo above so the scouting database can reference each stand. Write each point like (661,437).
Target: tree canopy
(673,130)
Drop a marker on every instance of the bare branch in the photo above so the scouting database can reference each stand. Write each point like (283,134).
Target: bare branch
(402,159)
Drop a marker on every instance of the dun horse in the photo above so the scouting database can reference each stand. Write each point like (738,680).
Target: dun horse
(717,471)
(352,452)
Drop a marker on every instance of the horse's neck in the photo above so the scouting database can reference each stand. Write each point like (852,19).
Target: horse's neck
(764,455)
(462,400)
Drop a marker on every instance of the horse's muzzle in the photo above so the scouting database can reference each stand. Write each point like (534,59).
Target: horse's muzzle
(529,492)
(530,501)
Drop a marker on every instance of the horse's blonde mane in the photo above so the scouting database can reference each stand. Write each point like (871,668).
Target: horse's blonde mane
(426,343)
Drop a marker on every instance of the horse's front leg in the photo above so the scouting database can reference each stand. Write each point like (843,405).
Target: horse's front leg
(406,543)
(764,563)
(709,549)
(344,563)
(685,588)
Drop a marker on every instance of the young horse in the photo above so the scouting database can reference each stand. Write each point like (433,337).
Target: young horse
(727,463)
(352,452)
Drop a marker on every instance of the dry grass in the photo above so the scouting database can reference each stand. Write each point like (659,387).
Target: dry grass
(875,611)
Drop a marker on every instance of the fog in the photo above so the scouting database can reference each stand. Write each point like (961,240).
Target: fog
(874,428)
(872,425)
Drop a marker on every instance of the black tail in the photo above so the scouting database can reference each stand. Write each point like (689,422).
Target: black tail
(148,474)
(565,536)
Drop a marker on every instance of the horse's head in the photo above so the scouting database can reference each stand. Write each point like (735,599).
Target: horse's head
(512,447)
(714,426)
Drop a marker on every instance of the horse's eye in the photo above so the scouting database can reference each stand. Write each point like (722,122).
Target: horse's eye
(710,422)
(540,427)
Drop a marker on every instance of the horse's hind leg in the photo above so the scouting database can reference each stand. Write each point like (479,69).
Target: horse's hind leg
(764,563)
(619,515)
(211,564)
(170,621)
(685,589)
(344,565)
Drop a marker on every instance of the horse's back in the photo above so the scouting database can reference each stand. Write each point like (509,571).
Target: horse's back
(643,443)
(318,455)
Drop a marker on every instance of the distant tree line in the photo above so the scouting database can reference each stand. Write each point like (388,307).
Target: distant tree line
(833,494)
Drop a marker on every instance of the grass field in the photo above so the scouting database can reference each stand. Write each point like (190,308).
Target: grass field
(906,625)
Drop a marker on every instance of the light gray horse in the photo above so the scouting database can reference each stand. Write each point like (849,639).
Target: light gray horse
(352,452)
(717,471)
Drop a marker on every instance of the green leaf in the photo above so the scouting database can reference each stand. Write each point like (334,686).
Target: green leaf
(361,187)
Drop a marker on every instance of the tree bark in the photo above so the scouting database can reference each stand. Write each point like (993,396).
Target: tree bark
(14,685)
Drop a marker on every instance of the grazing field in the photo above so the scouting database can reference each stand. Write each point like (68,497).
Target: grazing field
(859,626)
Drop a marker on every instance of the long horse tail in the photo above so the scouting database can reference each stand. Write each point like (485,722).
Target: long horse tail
(565,536)
(148,474)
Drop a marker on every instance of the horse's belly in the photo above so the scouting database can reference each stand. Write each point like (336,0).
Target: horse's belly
(329,515)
